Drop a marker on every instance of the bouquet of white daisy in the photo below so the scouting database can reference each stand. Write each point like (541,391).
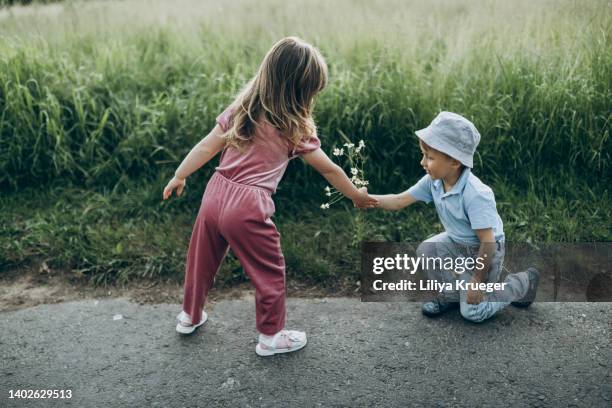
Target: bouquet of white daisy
(355,158)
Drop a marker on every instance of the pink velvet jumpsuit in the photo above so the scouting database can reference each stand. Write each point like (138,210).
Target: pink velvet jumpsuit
(236,213)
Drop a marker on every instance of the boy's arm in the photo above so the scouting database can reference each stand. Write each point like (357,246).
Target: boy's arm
(394,202)
(338,178)
(421,191)
(202,153)
(486,253)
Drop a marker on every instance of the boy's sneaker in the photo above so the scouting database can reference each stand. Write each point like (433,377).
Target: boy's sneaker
(437,306)
(284,341)
(534,280)
(184,325)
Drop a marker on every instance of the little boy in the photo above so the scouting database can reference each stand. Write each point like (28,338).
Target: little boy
(473,228)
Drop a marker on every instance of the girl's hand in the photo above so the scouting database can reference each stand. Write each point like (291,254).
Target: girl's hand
(175,183)
(364,200)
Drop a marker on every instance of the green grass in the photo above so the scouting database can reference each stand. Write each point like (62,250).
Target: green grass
(118,237)
(89,100)
(100,101)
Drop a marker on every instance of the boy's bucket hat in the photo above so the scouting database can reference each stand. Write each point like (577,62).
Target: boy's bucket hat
(452,134)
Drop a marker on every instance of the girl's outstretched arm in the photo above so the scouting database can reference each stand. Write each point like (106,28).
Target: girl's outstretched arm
(338,178)
(202,153)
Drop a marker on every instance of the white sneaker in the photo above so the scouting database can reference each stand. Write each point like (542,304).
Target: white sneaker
(285,341)
(184,325)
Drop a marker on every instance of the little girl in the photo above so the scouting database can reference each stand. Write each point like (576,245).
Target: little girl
(269,123)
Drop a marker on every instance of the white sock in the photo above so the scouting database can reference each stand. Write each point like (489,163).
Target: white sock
(264,338)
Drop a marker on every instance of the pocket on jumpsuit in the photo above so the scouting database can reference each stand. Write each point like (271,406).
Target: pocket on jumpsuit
(268,209)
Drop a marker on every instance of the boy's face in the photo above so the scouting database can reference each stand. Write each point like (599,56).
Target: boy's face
(437,164)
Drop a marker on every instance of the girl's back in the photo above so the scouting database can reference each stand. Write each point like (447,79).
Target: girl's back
(264,161)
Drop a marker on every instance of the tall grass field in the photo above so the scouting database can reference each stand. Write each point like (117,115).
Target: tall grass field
(100,101)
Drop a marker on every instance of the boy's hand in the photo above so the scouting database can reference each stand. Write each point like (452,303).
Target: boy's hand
(474,297)
(364,200)
(175,183)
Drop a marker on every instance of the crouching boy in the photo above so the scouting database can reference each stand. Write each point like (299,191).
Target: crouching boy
(473,228)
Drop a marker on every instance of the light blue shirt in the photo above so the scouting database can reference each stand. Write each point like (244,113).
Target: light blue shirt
(468,206)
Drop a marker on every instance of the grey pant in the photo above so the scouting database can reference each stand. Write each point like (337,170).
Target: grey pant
(442,246)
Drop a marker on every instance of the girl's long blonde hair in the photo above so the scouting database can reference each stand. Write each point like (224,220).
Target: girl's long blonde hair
(282,92)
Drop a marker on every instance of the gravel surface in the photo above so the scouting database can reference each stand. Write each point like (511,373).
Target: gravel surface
(358,354)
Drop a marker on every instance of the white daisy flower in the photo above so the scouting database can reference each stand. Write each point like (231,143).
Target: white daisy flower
(354,171)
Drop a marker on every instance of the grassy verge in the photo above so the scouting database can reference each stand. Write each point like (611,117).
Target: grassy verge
(109,237)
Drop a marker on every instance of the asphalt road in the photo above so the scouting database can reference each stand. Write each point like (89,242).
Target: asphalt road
(358,354)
